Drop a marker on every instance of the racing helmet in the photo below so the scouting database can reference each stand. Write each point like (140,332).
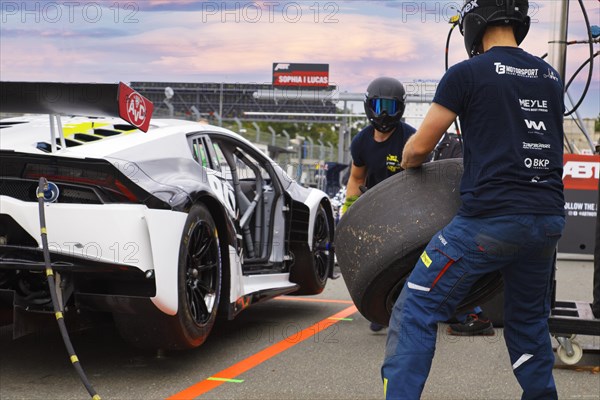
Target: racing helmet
(384,103)
(477,15)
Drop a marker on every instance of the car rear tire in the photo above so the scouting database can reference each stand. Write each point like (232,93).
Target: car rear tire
(199,289)
(312,268)
(379,239)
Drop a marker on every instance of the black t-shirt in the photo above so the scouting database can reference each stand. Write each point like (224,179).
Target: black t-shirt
(382,159)
(511,108)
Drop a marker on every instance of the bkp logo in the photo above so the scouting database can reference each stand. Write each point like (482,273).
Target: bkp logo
(136,109)
(537,163)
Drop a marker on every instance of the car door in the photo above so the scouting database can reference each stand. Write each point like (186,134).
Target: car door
(260,201)
(205,156)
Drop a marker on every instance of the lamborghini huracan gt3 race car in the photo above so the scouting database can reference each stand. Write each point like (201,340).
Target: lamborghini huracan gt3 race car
(163,223)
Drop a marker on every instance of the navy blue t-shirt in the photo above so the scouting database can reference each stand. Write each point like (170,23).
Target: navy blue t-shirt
(511,108)
(382,159)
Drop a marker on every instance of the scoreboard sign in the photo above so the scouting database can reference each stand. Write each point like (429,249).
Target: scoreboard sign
(580,177)
(301,75)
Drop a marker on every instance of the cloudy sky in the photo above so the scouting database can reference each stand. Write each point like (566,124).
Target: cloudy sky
(237,41)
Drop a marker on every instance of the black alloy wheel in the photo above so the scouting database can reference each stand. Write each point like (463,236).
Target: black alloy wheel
(322,243)
(202,271)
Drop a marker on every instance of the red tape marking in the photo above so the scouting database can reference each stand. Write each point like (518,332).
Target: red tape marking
(237,369)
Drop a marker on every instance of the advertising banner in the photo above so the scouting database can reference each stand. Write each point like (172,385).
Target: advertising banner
(580,177)
(301,75)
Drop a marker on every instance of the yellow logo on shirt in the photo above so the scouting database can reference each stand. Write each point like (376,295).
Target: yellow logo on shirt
(392,163)
(426,260)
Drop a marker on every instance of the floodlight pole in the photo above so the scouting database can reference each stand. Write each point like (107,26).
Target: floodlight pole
(557,52)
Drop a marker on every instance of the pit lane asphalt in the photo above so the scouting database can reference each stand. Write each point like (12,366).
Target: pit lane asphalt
(339,362)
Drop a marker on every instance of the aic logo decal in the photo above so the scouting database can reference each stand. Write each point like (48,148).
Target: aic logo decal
(581,172)
(136,109)
(535,125)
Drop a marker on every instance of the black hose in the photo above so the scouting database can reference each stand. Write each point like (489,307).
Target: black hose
(454,24)
(581,67)
(43,185)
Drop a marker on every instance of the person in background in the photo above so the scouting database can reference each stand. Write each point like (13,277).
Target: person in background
(377,149)
(512,212)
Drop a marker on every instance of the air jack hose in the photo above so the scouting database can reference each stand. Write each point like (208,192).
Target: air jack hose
(43,187)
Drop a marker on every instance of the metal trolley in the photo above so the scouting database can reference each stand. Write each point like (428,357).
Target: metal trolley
(570,318)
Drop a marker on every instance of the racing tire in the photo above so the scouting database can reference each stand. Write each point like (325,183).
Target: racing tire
(312,268)
(199,289)
(380,238)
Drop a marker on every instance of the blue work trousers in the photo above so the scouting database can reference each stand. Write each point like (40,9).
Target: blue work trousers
(522,247)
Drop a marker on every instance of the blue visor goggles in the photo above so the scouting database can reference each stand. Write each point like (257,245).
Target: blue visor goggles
(379,105)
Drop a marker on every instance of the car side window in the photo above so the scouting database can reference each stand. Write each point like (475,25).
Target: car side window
(220,158)
(199,152)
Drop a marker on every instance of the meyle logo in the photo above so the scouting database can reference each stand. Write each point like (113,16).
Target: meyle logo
(536,146)
(534,105)
(581,170)
(282,67)
(502,69)
(537,163)
(551,75)
(536,125)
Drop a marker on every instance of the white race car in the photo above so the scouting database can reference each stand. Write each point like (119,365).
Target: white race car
(162,223)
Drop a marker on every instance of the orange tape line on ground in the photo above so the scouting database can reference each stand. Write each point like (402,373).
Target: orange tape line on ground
(237,369)
(312,300)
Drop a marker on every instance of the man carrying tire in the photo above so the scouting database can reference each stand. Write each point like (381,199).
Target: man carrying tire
(377,149)
(512,211)
(474,322)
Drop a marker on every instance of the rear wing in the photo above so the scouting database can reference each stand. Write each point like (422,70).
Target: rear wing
(84,99)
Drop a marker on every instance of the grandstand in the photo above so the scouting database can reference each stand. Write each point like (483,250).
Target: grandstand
(229,101)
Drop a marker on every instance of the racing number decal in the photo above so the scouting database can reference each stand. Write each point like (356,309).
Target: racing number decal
(222,190)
